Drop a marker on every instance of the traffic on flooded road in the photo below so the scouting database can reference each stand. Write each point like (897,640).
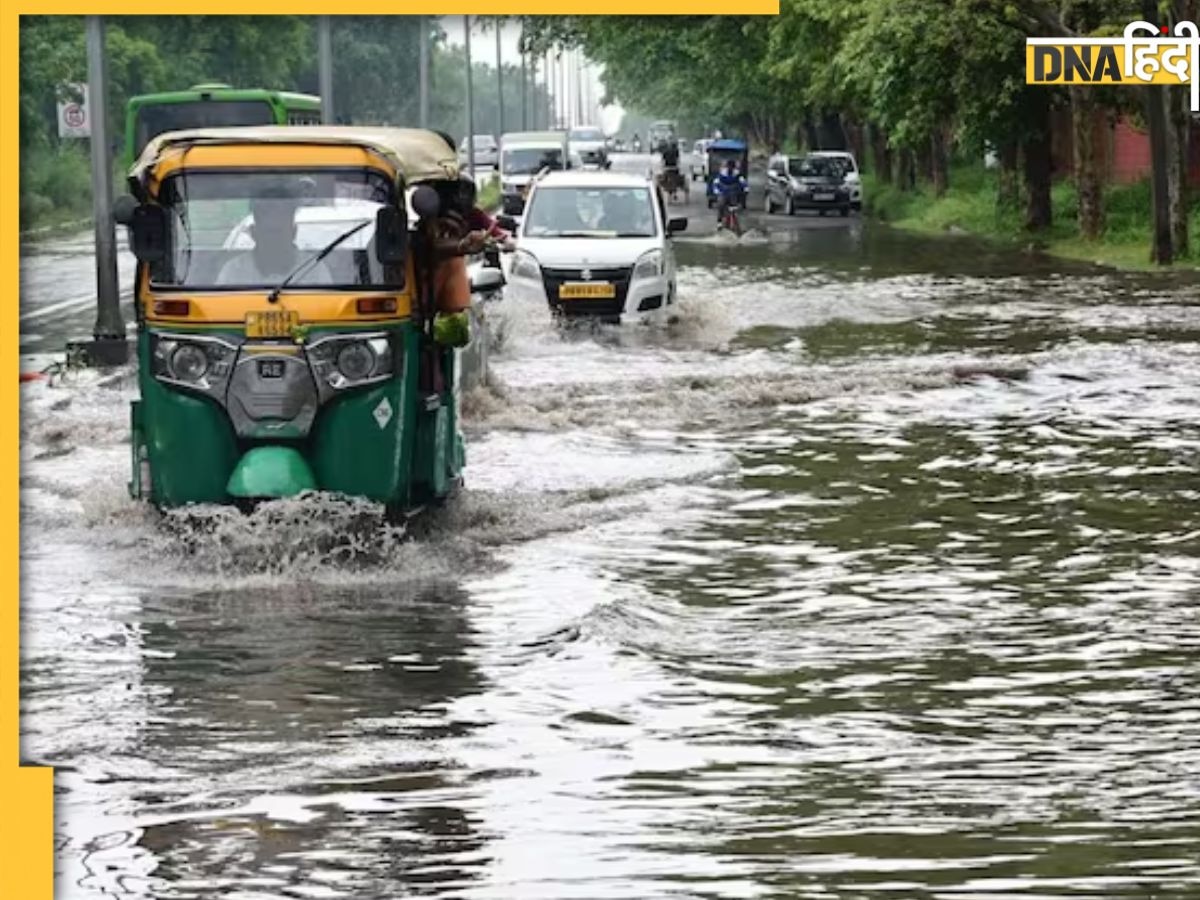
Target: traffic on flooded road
(657,457)
(878,541)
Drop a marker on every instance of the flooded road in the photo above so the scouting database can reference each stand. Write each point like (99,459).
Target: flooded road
(876,574)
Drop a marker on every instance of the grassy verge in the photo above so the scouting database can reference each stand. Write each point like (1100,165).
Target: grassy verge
(56,188)
(970,206)
(488,197)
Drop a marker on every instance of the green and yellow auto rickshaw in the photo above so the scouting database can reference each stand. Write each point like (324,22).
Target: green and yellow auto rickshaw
(286,317)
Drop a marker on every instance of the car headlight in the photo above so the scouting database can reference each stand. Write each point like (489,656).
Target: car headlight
(649,265)
(196,362)
(525,265)
(342,362)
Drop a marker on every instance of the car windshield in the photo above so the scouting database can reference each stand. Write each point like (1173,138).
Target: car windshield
(531,160)
(599,212)
(250,229)
(816,167)
(587,134)
(159,118)
(482,142)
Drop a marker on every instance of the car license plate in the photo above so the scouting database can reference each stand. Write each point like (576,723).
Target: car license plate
(271,323)
(270,368)
(590,290)
(822,196)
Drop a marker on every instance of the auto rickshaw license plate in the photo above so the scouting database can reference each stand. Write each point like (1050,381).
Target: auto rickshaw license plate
(589,290)
(271,323)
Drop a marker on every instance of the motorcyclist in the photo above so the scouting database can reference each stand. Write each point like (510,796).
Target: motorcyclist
(637,143)
(669,150)
(731,187)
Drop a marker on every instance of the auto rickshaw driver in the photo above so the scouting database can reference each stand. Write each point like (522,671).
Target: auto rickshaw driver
(274,256)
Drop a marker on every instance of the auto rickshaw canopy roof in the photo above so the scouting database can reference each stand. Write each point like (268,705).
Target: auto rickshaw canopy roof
(727,145)
(418,155)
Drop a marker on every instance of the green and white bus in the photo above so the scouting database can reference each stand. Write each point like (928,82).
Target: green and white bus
(212,106)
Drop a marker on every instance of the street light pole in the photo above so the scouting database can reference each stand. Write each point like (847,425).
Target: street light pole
(524,89)
(423,65)
(109,347)
(325,69)
(499,74)
(470,99)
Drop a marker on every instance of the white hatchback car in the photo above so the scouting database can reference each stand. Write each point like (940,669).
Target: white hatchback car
(853,178)
(596,244)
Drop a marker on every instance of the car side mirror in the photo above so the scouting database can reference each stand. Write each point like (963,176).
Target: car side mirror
(123,209)
(508,223)
(148,232)
(676,225)
(391,236)
(486,280)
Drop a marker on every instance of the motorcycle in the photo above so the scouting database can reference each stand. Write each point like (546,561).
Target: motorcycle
(671,181)
(731,219)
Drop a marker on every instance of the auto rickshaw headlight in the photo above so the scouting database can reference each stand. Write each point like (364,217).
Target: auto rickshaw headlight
(200,363)
(189,363)
(346,361)
(356,361)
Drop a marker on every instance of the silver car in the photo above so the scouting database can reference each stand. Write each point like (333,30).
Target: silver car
(487,151)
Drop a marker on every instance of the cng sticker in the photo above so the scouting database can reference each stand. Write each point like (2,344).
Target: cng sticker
(383,412)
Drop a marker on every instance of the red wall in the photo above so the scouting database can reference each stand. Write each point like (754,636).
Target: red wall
(1131,154)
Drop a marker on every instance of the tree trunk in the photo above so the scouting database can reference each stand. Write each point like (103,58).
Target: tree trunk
(906,172)
(810,132)
(1089,182)
(854,134)
(924,160)
(1179,117)
(940,160)
(880,155)
(1161,250)
(1178,120)
(1008,189)
(1036,151)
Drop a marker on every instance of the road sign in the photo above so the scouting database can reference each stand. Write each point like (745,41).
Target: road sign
(73,118)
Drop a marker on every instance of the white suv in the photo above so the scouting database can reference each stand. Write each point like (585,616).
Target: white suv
(853,178)
(596,244)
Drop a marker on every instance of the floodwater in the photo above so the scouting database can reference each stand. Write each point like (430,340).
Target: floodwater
(876,574)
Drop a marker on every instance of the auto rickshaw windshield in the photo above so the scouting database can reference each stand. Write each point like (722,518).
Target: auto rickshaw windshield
(248,230)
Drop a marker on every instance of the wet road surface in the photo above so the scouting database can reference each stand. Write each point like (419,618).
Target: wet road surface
(874,574)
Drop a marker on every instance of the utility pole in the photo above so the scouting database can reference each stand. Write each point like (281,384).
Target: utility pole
(108,347)
(499,74)
(325,69)
(470,99)
(580,111)
(549,108)
(423,66)
(524,89)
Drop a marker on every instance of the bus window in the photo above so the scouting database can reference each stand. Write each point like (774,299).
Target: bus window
(157,118)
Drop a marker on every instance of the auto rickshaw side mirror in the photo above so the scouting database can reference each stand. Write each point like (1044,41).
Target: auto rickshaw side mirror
(508,223)
(391,236)
(676,225)
(148,232)
(123,208)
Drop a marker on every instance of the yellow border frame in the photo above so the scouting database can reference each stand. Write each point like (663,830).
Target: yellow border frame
(26,792)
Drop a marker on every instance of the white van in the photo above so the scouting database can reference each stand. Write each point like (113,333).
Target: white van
(596,244)
(523,154)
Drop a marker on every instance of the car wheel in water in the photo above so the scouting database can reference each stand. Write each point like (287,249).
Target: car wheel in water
(822,212)
(845,210)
